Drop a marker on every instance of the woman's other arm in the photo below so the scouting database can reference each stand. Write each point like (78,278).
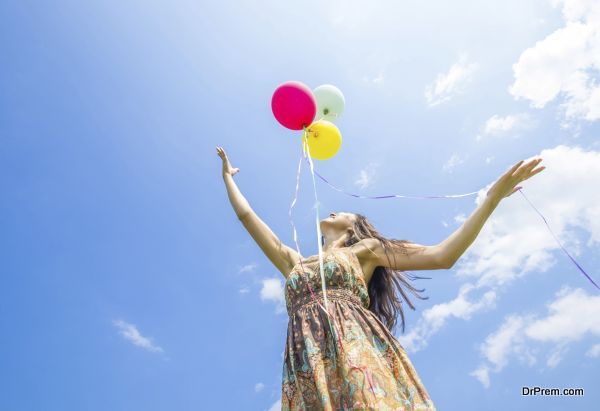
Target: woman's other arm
(445,254)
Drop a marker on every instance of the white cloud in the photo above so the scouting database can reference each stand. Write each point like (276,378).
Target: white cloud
(259,387)
(375,80)
(556,356)
(452,162)
(508,339)
(572,315)
(272,290)
(483,375)
(447,85)
(564,63)
(131,334)
(594,351)
(515,241)
(460,218)
(509,125)
(366,176)
(434,318)
(251,267)
(248,268)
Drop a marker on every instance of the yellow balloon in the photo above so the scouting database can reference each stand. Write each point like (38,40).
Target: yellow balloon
(324,139)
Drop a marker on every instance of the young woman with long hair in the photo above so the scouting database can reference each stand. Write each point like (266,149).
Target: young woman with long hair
(356,362)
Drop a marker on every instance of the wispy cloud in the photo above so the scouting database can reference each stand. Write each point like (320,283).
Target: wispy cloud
(132,334)
(366,176)
(452,162)
(564,63)
(572,315)
(434,318)
(510,125)
(374,79)
(272,290)
(452,83)
(259,387)
(247,268)
(498,345)
(594,351)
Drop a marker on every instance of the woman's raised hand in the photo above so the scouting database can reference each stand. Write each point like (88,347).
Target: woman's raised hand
(505,185)
(227,168)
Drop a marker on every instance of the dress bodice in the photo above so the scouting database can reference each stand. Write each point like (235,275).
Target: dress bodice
(343,276)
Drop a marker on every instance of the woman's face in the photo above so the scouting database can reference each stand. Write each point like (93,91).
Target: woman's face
(339,221)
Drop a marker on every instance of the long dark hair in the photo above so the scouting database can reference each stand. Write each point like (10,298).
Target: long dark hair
(384,301)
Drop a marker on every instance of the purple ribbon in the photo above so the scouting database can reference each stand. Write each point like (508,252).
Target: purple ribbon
(462,195)
(563,248)
(394,195)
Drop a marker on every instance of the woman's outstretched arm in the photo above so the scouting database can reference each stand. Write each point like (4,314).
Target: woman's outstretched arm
(456,244)
(282,256)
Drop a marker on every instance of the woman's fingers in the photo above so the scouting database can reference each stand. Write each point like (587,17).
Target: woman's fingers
(513,168)
(533,163)
(530,166)
(226,163)
(528,171)
(524,170)
(534,172)
(221,153)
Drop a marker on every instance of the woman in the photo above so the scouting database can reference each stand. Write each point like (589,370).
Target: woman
(356,362)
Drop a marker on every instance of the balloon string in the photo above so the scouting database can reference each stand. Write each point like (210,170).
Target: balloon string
(464,195)
(331,323)
(364,369)
(298,246)
(296,235)
(306,152)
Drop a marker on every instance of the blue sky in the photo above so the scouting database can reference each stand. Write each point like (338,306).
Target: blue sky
(129,283)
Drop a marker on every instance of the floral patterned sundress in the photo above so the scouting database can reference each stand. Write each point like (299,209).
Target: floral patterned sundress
(365,367)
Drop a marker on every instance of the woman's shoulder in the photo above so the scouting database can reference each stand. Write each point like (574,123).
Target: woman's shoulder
(366,248)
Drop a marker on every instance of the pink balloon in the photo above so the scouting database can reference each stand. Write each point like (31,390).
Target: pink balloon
(294,105)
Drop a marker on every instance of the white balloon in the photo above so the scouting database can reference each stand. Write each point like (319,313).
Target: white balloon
(330,102)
